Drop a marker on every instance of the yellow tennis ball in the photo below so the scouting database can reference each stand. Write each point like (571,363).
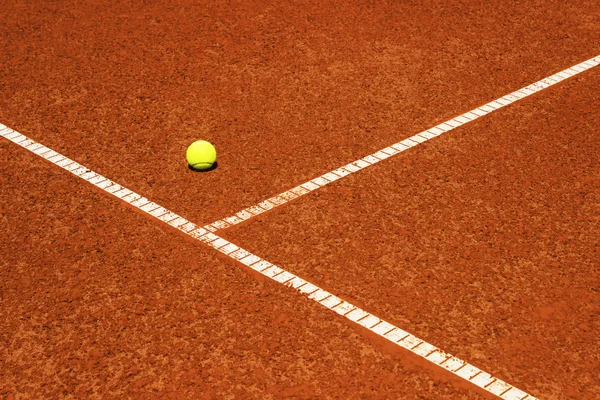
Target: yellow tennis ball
(201,155)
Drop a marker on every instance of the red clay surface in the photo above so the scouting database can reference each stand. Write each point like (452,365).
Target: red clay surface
(483,242)
(98,301)
(285,91)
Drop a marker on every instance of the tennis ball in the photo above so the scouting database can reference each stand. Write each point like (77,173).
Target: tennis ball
(201,155)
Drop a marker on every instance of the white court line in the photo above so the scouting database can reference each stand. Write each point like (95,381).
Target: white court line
(361,317)
(399,147)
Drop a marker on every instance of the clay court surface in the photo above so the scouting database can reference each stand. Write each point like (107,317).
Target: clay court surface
(483,241)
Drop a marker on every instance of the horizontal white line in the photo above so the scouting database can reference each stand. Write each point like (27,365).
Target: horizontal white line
(394,149)
(354,314)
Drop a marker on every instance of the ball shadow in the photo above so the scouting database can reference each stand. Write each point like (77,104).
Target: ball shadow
(212,168)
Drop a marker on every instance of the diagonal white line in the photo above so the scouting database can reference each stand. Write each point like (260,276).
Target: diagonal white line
(358,316)
(371,322)
(399,147)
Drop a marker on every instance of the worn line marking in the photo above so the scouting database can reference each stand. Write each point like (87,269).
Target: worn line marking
(399,147)
(354,314)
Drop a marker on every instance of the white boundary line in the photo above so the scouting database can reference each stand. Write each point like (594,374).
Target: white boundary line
(399,147)
(355,314)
